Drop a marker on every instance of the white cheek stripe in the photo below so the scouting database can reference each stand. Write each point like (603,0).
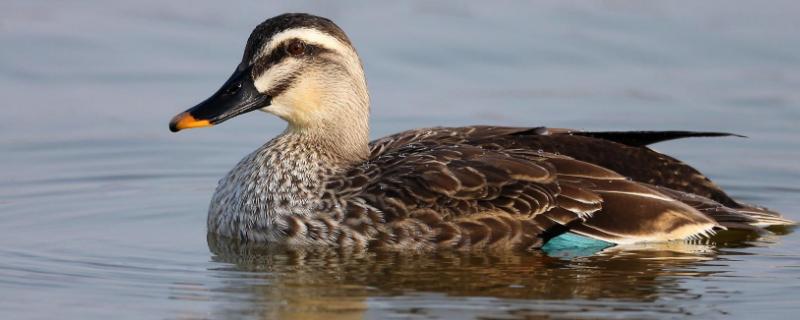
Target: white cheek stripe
(277,73)
(308,35)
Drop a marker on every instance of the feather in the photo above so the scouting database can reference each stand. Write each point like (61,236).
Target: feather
(466,173)
(644,138)
(499,187)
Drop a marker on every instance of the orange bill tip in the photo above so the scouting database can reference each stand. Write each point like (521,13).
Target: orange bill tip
(186,121)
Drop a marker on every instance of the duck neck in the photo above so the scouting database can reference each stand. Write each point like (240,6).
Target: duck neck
(341,145)
(329,114)
(300,148)
(301,159)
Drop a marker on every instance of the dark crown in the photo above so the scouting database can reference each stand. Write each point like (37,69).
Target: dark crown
(267,29)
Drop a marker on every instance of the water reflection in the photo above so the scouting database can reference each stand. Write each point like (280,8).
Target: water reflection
(332,284)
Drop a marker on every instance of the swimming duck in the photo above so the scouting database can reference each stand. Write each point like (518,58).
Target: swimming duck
(322,182)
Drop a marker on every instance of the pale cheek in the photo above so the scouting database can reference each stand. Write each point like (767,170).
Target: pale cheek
(306,96)
(298,104)
(279,109)
(275,75)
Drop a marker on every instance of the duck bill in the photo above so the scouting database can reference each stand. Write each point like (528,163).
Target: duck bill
(237,96)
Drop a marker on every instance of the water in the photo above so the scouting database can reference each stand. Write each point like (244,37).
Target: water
(103,210)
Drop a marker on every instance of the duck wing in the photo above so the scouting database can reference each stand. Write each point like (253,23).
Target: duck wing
(630,156)
(441,193)
(494,186)
(623,152)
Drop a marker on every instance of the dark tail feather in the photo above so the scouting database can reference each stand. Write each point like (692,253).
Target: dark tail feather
(644,138)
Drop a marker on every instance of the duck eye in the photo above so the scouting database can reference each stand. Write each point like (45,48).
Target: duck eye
(296,48)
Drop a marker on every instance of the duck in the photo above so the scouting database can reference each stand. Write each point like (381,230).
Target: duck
(322,182)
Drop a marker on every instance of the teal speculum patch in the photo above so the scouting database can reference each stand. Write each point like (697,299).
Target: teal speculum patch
(572,245)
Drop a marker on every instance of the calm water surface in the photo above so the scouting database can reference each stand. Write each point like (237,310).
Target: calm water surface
(102,210)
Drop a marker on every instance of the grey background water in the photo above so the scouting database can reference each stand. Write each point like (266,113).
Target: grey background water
(102,210)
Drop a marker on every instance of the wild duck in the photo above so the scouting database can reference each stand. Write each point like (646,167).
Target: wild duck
(322,182)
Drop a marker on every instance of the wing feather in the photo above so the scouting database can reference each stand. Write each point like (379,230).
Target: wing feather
(496,186)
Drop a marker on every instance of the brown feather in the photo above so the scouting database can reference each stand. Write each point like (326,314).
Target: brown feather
(479,186)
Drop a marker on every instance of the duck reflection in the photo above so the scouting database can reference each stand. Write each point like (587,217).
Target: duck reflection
(277,283)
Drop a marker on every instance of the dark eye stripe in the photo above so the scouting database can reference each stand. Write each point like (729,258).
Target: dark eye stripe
(284,85)
(279,53)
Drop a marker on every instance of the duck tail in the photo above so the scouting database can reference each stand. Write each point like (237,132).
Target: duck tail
(763,217)
(736,215)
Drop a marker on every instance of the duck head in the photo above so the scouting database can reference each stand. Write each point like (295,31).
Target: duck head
(299,67)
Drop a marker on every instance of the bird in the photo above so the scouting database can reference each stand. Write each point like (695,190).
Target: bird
(322,182)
